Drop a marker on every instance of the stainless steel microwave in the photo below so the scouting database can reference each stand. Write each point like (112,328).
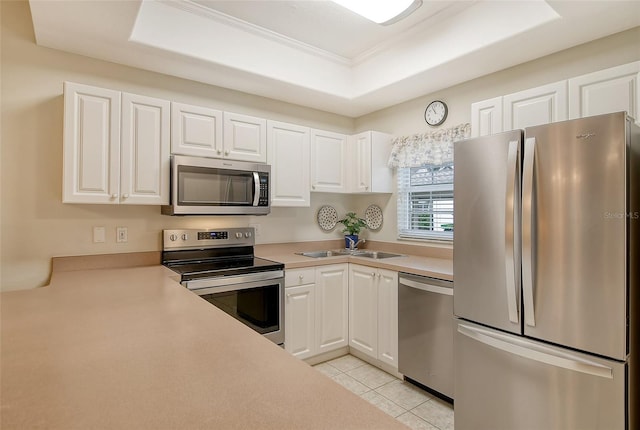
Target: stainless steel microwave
(208,186)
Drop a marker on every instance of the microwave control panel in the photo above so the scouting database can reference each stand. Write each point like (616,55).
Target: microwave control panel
(263,200)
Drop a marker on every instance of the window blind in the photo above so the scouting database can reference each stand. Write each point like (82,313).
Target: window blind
(425,202)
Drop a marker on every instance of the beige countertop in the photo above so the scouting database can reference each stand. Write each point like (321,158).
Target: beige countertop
(437,265)
(129,348)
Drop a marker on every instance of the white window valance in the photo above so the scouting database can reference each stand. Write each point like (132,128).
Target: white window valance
(433,148)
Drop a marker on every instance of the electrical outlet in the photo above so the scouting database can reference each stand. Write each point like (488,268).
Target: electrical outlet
(256,228)
(122,234)
(98,235)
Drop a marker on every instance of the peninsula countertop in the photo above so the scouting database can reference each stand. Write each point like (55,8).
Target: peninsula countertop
(130,348)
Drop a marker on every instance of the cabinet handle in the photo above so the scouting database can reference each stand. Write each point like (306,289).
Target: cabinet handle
(313,187)
(301,277)
(125,196)
(114,196)
(373,275)
(226,152)
(219,152)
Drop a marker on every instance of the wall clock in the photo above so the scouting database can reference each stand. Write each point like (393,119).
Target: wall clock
(436,113)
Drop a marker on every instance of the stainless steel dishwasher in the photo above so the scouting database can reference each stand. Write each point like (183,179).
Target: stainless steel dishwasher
(426,331)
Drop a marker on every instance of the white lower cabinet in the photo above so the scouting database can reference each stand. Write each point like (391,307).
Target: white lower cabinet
(373,312)
(316,309)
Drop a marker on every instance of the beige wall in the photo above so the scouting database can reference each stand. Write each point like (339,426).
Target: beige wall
(36,226)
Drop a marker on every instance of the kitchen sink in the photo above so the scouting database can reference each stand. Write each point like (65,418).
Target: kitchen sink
(321,254)
(376,254)
(356,253)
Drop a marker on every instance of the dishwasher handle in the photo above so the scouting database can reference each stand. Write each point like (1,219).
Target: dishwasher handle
(428,286)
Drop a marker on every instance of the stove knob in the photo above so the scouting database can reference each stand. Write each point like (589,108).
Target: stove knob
(238,235)
(185,236)
(247,234)
(173,237)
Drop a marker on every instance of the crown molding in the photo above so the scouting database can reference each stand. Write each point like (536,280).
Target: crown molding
(222,18)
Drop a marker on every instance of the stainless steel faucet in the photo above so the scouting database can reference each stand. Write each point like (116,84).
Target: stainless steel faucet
(354,245)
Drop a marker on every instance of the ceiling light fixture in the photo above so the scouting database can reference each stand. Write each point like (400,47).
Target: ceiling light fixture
(383,12)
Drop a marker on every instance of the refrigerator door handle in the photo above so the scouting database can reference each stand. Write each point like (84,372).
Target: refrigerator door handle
(527,231)
(530,351)
(509,237)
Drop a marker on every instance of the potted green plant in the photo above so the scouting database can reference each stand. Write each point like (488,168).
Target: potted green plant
(352,226)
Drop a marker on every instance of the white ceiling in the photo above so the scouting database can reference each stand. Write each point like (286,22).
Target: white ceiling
(317,54)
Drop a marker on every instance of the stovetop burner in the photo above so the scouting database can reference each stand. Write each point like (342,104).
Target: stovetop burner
(200,254)
(223,267)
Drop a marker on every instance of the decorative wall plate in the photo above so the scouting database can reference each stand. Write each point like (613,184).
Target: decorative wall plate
(373,217)
(327,217)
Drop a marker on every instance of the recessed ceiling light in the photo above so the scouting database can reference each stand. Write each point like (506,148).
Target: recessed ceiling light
(383,12)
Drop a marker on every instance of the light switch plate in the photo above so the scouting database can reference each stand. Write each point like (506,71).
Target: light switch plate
(122,234)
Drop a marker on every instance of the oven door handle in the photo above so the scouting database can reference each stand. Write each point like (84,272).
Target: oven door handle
(233,282)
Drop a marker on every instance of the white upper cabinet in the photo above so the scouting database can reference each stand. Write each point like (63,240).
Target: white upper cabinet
(606,91)
(116,147)
(288,148)
(329,162)
(369,156)
(91,167)
(535,106)
(486,117)
(196,130)
(144,150)
(245,137)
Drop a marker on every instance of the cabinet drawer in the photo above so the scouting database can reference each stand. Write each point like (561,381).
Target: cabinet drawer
(293,277)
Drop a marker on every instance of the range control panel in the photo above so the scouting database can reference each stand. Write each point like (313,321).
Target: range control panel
(207,238)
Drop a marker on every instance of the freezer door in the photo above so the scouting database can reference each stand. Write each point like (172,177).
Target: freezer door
(506,382)
(486,255)
(574,219)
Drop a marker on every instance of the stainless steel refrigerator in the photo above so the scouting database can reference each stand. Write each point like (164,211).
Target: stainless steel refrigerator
(546,277)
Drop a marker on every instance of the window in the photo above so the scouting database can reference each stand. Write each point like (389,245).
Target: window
(425,202)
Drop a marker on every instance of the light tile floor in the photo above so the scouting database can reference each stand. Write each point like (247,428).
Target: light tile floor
(407,403)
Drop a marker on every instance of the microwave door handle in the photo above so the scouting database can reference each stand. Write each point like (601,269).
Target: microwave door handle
(256,188)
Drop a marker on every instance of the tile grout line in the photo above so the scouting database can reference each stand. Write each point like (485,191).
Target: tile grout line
(382,395)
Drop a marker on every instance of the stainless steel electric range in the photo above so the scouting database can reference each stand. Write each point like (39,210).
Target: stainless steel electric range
(219,266)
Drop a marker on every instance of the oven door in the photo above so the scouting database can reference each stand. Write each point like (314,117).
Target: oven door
(256,300)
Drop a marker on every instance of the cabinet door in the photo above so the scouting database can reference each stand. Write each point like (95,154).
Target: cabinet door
(328,162)
(380,172)
(91,167)
(361,150)
(332,307)
(388,316)
(299,321)
(144,158)
(196,130)
(486,117)
(535,106)
(605,91)
(245,138)
(288,154)
(363,310)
